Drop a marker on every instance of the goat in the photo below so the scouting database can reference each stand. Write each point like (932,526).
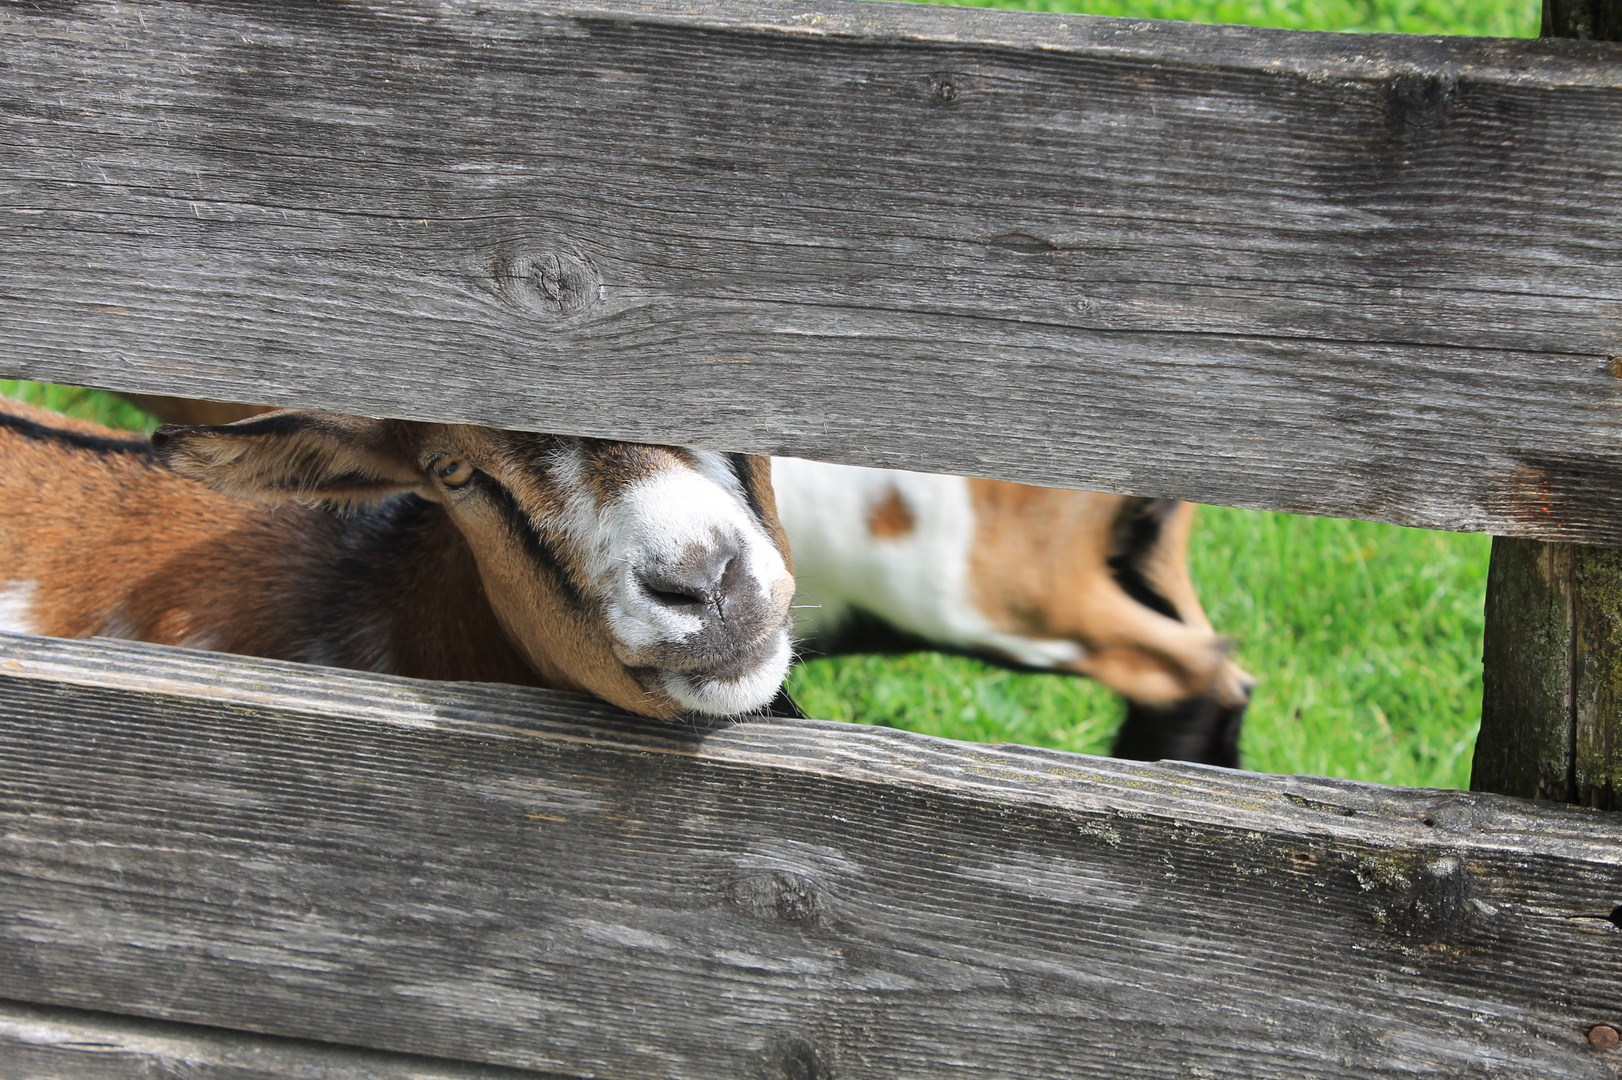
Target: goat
(657,578)
(1038,578)
(1045,579)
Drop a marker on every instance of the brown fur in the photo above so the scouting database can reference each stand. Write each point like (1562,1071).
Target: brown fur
(755,469)
(756,472)
(121,546)
(1039,567)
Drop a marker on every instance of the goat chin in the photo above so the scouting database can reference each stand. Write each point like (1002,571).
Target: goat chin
(748,692)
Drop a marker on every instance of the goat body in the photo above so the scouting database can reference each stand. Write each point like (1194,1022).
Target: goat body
(1041,578)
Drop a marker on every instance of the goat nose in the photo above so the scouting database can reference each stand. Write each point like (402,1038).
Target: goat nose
(700,577)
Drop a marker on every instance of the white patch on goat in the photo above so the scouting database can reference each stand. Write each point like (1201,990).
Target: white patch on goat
(17,606)
(917,581)
(719,471)
(578,518)
(611,539)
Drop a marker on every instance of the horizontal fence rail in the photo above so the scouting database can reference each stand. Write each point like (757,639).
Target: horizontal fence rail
(69,1044)
(1371,276)
(538,881)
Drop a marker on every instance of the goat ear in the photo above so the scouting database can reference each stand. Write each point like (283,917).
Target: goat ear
(320,458)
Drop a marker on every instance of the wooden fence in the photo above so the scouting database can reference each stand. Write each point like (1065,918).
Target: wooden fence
(1372,276)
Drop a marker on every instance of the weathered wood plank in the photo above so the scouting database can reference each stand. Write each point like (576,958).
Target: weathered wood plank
(38,1043)
(519,877)
(1254,267)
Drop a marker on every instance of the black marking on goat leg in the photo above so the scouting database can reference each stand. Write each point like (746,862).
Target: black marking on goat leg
(1195,729)
(536,546)
(1133,537)
(861,631)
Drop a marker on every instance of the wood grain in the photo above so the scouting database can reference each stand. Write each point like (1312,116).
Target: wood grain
(533,880)
(39,1043)
(1371,276)
(1597,678)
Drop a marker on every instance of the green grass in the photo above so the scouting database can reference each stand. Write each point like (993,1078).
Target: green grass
(85,404)
(1478,18)
(1366,638)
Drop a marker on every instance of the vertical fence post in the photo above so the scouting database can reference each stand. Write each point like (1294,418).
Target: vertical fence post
(1551,708)
(1589,20)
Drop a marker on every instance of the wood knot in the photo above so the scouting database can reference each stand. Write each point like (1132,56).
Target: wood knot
(1454,815)
(554,284)
(795,1058)
(779,895)
(1418,99)
(943,88)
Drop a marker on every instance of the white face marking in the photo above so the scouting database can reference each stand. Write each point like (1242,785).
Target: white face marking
(917,582)
(674,517)
(17,607)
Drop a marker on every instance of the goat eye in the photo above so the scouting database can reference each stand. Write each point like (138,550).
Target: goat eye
(453,471)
